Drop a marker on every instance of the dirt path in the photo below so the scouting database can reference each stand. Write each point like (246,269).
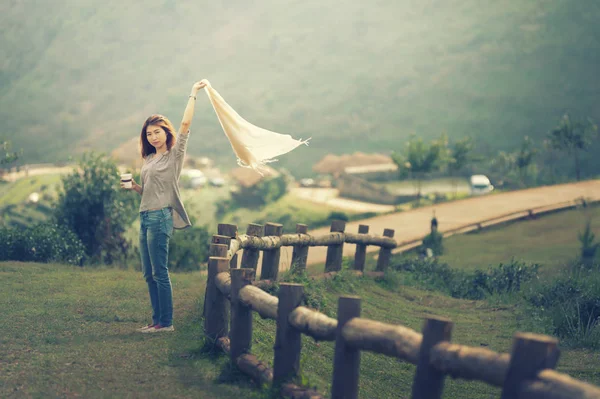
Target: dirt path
(414,224)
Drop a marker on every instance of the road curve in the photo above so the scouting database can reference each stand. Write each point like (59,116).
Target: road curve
(414,224)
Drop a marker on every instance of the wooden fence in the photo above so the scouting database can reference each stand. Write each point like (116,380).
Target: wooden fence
(232,295)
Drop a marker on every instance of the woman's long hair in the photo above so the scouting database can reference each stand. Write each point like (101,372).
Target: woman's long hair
(166,125)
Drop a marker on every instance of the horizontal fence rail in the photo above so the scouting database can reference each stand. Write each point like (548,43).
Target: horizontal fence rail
(232,294)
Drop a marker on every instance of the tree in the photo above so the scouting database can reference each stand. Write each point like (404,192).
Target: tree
(94,207)
(420,158)
(460,155)
(502,168)
(588,245)
(523,158)
(549,161)
(7,156)
(573,137)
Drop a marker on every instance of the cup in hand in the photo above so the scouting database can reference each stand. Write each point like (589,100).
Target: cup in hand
(126,179)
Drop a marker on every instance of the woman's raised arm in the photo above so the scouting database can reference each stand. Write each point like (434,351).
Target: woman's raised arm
(188,114)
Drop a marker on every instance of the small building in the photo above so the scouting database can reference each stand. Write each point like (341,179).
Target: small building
(371,167)
(374,172)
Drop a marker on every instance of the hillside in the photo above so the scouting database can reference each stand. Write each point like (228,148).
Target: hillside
(80,75)
(72,333)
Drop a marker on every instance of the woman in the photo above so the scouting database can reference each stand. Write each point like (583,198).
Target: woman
(161,209)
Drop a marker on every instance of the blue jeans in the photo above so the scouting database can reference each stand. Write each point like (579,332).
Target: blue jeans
(156,228)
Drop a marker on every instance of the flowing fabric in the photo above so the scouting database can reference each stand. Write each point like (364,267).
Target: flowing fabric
(253,146)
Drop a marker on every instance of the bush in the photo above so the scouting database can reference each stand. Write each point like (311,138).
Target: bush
(337,215)
(571,306)
(43,242)
(499,280)
(188,249)
(345,281)
(94,207)
(434,240)
(588,245)
(260,194)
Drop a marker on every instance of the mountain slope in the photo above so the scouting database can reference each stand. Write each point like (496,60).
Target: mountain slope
(80,75)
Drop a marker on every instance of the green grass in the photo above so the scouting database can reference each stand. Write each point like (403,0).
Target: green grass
(18,192)
(71,332)
(14,208)
(549,240)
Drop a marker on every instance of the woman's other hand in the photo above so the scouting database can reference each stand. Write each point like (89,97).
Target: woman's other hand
(198,86)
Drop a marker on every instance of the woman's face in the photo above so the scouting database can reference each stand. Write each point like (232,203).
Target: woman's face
(156,136)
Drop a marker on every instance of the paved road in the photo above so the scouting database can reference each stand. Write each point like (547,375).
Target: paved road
(414,224)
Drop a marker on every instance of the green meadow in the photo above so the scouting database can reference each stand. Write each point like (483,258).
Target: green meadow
(71,331)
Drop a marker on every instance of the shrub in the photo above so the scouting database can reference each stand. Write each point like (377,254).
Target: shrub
(94,207)
(337,215)
(502,279)
(588,246)
(43,242)
(571,306)
(434,240)
(188,249)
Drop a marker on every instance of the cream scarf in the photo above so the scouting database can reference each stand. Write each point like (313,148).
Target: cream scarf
(253,146)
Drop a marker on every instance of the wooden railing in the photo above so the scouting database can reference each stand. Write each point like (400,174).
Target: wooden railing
(232,296)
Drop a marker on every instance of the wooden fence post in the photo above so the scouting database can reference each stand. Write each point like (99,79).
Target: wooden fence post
(219,251)
(530,354)
(429,382)
(346,362)
(333,262)
(241,316)
(223,240)
(270,262)
(300,253)
(217,304)
(229,230)
(288,341)
(385,254)
(250,255)
(361,250)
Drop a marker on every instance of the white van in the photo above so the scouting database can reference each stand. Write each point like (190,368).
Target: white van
(480,184)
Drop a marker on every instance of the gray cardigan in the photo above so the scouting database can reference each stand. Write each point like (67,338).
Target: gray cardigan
(160,181)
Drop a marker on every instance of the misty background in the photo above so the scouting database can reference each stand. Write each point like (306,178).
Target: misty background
(83,75)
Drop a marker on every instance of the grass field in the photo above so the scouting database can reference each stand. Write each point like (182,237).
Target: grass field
(17,192)
(72,333)
(549,240)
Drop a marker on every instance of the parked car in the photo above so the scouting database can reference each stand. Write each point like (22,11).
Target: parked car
(480,185)
(199,181)
(307,182)
(196,176)
(217,181)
